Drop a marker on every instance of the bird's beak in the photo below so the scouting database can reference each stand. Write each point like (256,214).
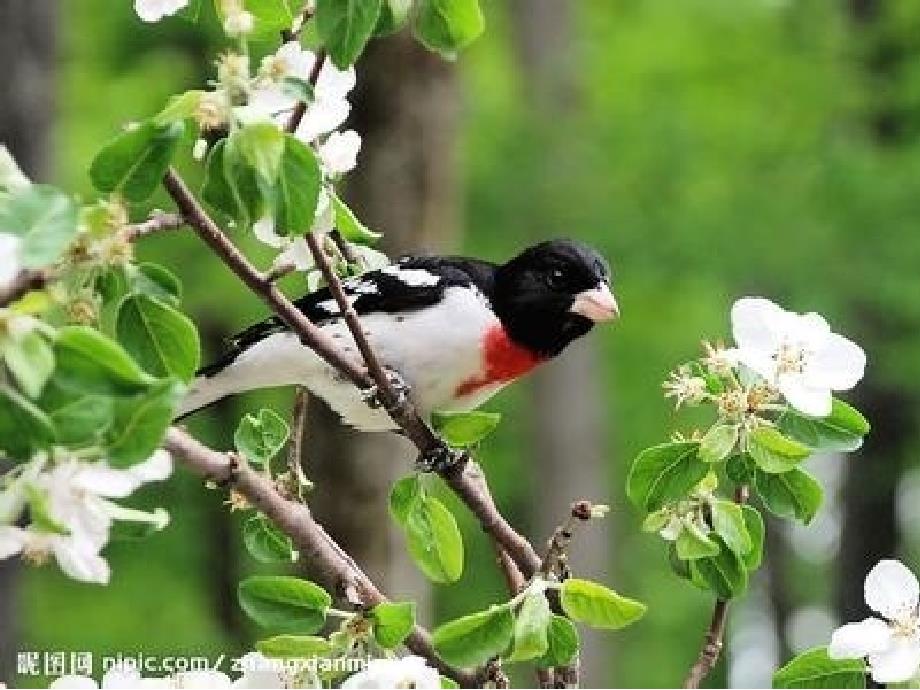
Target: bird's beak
(597,304)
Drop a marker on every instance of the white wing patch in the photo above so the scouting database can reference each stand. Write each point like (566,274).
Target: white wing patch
(413,277)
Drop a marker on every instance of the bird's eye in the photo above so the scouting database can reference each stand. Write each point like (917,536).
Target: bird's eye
(556,278)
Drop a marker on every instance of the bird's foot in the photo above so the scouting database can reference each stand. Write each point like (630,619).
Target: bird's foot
(442,458)
(376,400)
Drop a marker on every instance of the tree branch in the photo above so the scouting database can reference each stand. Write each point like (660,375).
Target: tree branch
(27,279)
(158,222)
(333,566)
(715,634)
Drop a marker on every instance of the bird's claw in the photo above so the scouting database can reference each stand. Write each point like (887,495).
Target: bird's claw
(372,395)
(441,458)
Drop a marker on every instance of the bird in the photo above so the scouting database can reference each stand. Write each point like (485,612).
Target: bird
(455,330)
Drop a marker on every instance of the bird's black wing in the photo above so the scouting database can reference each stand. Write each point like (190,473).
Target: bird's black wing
(413,282)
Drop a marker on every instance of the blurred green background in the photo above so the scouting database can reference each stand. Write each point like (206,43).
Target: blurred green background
(710,149)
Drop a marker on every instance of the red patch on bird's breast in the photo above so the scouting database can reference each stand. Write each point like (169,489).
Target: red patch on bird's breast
(502,361)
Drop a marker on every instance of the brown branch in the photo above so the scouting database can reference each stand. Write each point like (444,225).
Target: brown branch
(301,108)
(466,479)
(158,222)
(715,634)
(333,566)
(27,279)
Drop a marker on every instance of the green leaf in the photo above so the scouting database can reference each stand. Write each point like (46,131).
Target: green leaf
(160,338)
(591,603)
(44,218)
(261,145)
(815,669)
(156,281)
(294,647)
(841,431)
(448,684)
(791,494)
(30,359)
(246,189)
(718,442)
(350,227)
(259,438)
(724,574)
(217,191)
(664,473)
(179,108)
(140,422)
(531,628)
(464,429)
(271,18)
(447,26)
(393,622)
(78,418)
(775,453)
(435,542)
(728,522)
(265,542)
(404,495)
(753,521)
(740,468)
(134,163)
(283,602)
(473,640)
(563,643)
(432,536)
(89,362)
(23,427)
(345,27)
(393,16)
(297,190)
(693,543)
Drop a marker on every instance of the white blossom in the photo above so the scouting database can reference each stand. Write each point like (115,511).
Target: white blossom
(294,250)
(798,354)
(10,264)
(407,672)
(270,100)
(339,153)
(76,497)
(11,176)
(892,645)
(155,10)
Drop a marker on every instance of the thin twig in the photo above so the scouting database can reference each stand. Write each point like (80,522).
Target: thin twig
(158,222)
(301,108)
(337,571)
(27,279)
(467,481)
(715,634)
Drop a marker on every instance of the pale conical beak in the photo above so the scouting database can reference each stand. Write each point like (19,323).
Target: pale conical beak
(597,304)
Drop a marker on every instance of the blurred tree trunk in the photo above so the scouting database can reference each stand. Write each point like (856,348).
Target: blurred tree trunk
(27,53)
(569,450)
(407,186)
(870,488)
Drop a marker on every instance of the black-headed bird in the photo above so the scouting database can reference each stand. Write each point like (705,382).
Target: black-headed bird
(455,330)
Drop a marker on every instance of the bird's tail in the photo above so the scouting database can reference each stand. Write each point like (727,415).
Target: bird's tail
(205,389)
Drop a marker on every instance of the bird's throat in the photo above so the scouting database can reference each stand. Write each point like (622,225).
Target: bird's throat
(503,360)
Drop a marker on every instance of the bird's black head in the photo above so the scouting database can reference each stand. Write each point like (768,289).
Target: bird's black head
(551,294)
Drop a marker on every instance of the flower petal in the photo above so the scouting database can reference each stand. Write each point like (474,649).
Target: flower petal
(297,253)
(264,230)
(121,677)
(156,468)
(322,116)
(80,560)
(857,640)
(839,364)
(896,664)
(203,679)
(12,539)
(155,10)
(807,399)
(9,257)
(74,683)
(892,590)
(756,323)
(339,153)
